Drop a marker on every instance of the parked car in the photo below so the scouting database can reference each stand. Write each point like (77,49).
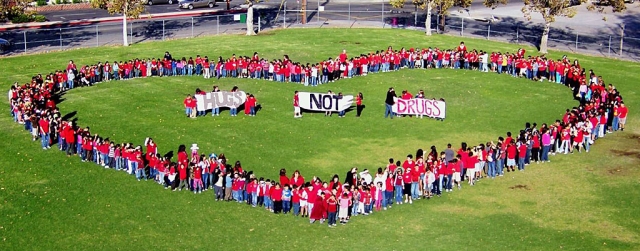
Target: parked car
(4,45)
(152,2)
(190,4)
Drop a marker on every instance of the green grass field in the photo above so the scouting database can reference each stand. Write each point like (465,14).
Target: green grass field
(580,201)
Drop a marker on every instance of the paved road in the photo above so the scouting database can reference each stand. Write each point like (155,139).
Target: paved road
(507,25)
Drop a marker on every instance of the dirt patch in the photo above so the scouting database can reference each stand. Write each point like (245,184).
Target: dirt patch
(524,187)
(616,171)
(627,153)
(634,136)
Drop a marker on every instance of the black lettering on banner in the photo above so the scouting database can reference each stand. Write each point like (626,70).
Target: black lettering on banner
(314,100)
(324,102)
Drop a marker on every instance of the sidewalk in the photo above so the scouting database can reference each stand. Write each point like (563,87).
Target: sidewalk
(56,24)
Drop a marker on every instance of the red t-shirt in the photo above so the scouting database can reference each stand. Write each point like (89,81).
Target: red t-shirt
(511,152)
(522,151)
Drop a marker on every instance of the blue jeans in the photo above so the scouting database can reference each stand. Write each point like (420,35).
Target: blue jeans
(415,191)
(296,208)
(187,111)
(252,110)
(449,183)
(140,174)
(440,180)
(616,123)
(388,198)
(332,218)
(398,191)
(521,163)
(500,166)
(286,206)
(233,111)
(44,139)
(388,111)
(545,153)
(492,169)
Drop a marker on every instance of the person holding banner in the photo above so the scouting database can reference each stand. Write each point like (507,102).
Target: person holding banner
(389,102)
(189,106)
(328,113)
(340,113)
(296,106)
(359,105)
(234,108)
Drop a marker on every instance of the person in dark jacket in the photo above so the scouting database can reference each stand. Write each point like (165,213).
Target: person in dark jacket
(389,102)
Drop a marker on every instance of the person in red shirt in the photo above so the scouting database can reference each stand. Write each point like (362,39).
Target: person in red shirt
(182,175)
(296,106)
(276,197)
(407,177)
(522,153)
(251,104)
(511,155)
(44,133)
(622,116)
(197,179)
(189,106)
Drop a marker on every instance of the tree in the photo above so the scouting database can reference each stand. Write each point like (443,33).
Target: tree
(126,8)
(250,30)
(549,9)
(442,5)
(12,8)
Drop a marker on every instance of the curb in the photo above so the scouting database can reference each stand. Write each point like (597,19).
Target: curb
(58,24)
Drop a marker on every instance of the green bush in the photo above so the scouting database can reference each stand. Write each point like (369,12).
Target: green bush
(76,1)
(59,1)
(41,2)
(39,18)
(21,18)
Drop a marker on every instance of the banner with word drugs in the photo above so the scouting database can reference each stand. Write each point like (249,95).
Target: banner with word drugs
(419,106)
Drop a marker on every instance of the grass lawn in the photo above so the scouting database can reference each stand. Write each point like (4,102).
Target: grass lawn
(580,201)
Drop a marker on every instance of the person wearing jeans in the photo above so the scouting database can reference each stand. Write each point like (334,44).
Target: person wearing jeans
(389,102)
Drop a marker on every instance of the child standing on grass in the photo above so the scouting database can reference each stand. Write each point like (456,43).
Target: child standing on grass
(304,200)
(332,208)
(345,203)
(197,179)
(287,194)
(378,197)
(276,196)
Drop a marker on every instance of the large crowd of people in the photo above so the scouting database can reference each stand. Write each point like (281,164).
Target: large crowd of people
(421,176)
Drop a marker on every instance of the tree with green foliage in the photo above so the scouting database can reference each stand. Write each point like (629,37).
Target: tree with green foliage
(550,9)
(11,9)
(442,6)
(126,8)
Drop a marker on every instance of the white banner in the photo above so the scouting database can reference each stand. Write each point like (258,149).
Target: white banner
(324,101)
(220,99)
(418,106)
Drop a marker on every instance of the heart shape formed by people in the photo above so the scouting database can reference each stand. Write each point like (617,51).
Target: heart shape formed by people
(576,131)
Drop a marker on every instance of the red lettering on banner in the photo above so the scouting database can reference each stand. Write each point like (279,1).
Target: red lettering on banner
(437,109)
(428,109)
(410,104)
(420,104)
(401,105)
